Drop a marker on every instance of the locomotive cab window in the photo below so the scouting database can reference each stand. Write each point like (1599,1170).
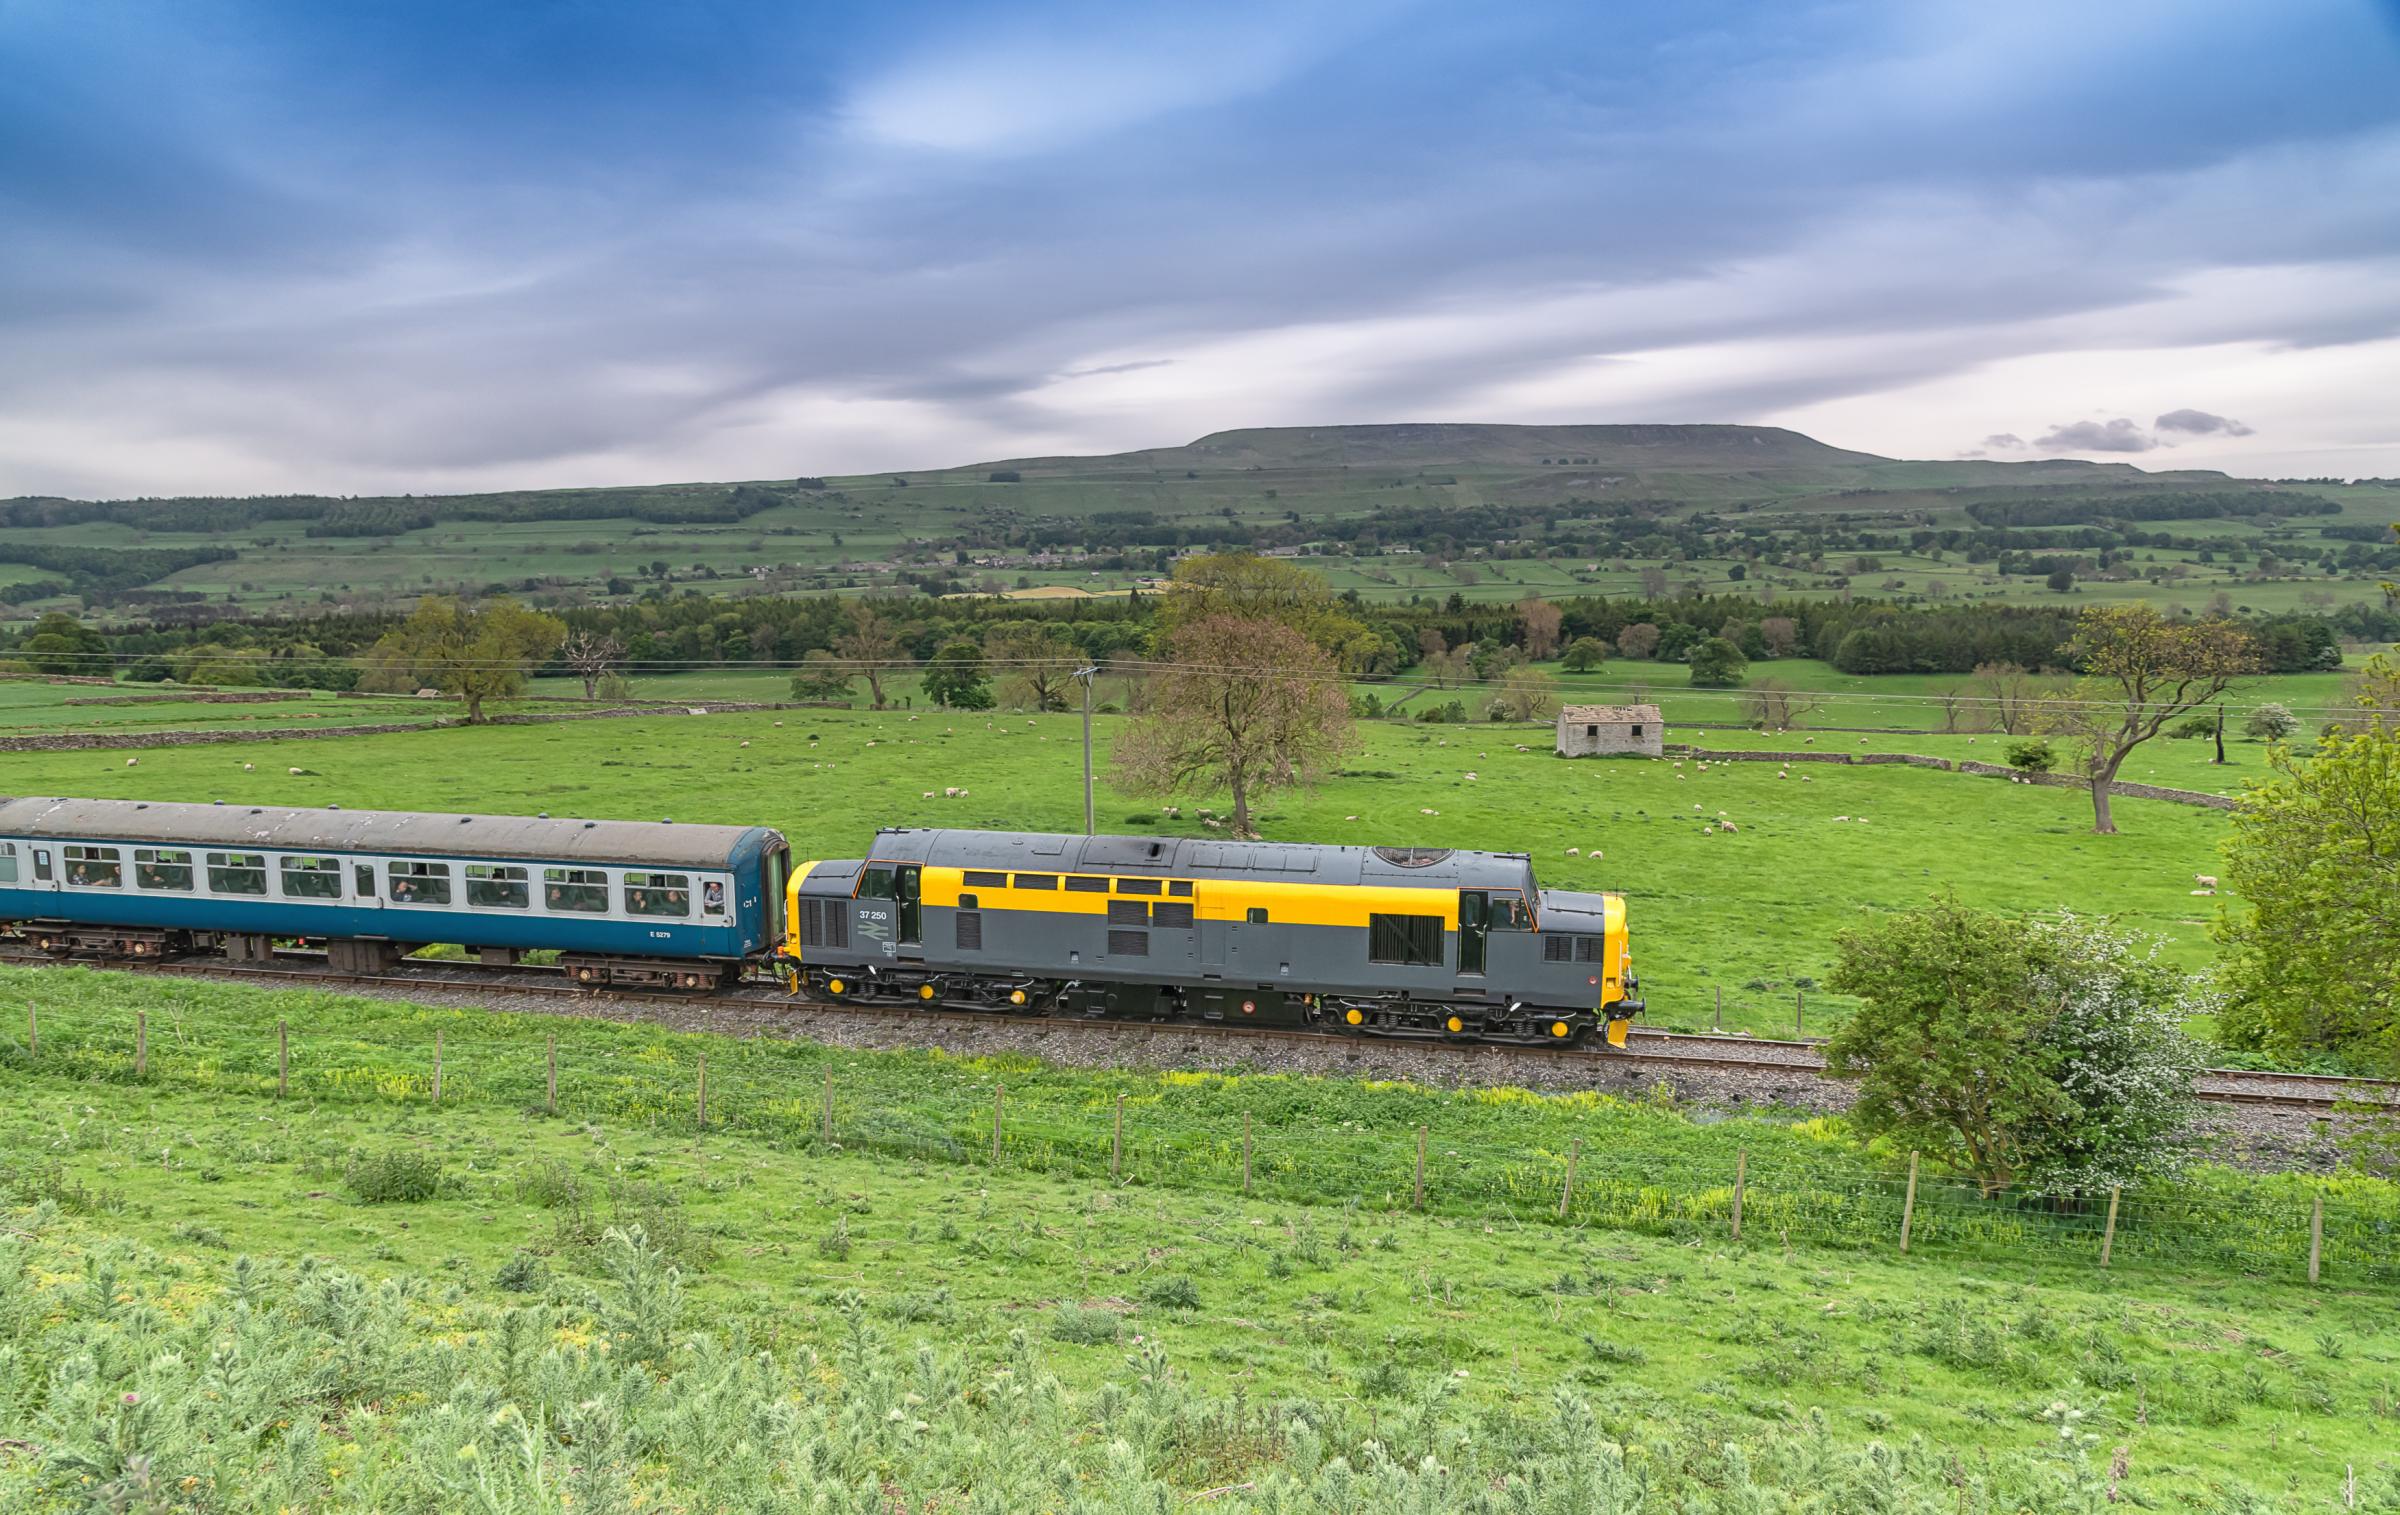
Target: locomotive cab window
(237,873)
(497,886)
(162,868)
(313,878)
(1411,940)
(93,867)
(659,894)
(1508,913)
(876,883)
(575,889)
(420,883)
(8,862)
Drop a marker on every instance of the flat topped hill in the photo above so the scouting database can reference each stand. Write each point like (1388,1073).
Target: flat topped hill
(1647,448)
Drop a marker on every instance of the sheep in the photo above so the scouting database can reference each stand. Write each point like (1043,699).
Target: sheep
(1808,741)
(1695,807)
(246,767)
(296,772)
(1470,777)
(1727,826)
(1574,852)
(779,725)
(1709,830)
(1841,817)
(133,762)
(1349,817)
(950,792)
(1421,810)
(1597,854)
(2205,880)
(745,744)
(928,794)
(962,794)
(2204,891)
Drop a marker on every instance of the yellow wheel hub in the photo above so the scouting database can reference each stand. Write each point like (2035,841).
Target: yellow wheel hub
(1016,996)
(924,991)
(1355,1017)
(1558,1028)
(835,986)
(1455,1024)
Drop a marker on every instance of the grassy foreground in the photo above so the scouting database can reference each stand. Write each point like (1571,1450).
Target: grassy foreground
(1751,914)
(356,1299)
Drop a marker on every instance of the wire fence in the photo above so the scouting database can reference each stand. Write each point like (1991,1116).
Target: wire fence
(802,1098)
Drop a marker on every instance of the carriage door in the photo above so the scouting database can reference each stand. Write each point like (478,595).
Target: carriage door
(41,865)
(1474,926)
(912,930)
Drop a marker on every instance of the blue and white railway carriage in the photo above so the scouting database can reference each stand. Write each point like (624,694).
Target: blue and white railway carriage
(621,901)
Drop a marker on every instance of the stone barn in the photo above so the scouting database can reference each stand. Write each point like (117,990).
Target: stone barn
(1610,731)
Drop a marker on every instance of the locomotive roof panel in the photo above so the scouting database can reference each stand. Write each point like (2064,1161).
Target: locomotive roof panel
(1204,857)
(288,829)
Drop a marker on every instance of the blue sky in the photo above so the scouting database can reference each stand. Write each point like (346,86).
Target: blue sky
(365,247)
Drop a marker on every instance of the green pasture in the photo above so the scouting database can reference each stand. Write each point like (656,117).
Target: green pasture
(193,1183)
(1752,913)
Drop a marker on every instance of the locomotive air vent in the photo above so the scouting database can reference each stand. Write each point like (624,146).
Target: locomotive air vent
(1412,857)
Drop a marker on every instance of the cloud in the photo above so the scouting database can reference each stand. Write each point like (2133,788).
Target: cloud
(2003,439)
(2119,435)
(2201,424)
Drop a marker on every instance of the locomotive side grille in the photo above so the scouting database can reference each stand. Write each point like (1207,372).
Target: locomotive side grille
(1588,948)
(1129,944)
(970,930)
(1128,913)
(823,923)
(1170,913)
(1558,949)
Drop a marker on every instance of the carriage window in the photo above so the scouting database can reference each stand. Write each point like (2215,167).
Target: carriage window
(161,868)
(876,883)
(1037,881)
(1079,884)
(1413,940)
(712,896)
(93,867)
(420,883)
(495,886)
(658,894)
(8,862)
(237,872)
(313,878)
(584,889)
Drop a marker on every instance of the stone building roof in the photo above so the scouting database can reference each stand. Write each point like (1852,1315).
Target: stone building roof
(1608,715)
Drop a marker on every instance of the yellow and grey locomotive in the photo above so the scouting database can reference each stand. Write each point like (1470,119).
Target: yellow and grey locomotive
(1396,941)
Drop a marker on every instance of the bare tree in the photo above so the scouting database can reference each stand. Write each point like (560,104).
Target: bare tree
(871,645)
(1654,583)
(1951,700)
(1773,705)
(590,655)
(2140,671)
(2009,696)
(1035,661)
(1638,640)
(1246,705)
(1527,694)
(1781,635)
(1540,620)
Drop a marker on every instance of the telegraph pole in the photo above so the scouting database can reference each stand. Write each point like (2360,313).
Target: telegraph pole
(1084,676)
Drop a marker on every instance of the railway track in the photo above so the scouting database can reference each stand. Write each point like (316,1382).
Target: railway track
(1714,1052)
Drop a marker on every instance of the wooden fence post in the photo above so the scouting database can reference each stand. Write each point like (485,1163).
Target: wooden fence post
(1116,1155)
(1799,1010)
(2108,1235)
(703,1091)
(1245,1152)
(1908,1207)
(437,1065)
(550,1077)
(141,1044)
(2316,1237)
(1720,1021)
(828,1121)
(1566,1193)
(999,1097)
(33,1031)
(1420,1167)
(283,1061)
(1741,1182)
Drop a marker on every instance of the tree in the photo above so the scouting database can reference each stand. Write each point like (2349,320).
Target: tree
(2271,723)
(2040,1053)
(1583,655)
(821,676)
(1781,634)
(1718,664)
(2140,671)
(1526,694)
(1638,640)
(477,652)
(590,655)
(64,646)
(1036,662)
(2032,756)
(1246,705)
(1773,705)
(2312,959)
(2061,580)
(2011,697)
(1654,582)
(955,678)
(1275,589)
(872,646)
(1539,619)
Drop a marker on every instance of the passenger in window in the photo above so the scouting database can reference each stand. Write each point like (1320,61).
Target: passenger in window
(679,902)
(403,891)
(714,894)
(550,897)
(638,901)
(75,875)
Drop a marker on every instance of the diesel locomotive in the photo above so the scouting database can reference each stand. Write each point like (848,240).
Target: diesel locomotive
(1392,941)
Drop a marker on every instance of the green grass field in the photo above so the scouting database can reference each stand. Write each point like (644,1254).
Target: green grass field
(170,1199)
(1752,914)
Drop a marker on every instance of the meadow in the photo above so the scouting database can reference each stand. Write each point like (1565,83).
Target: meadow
(1751,914)
(353,1298)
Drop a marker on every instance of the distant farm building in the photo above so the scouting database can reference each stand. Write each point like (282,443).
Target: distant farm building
(1610,731)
